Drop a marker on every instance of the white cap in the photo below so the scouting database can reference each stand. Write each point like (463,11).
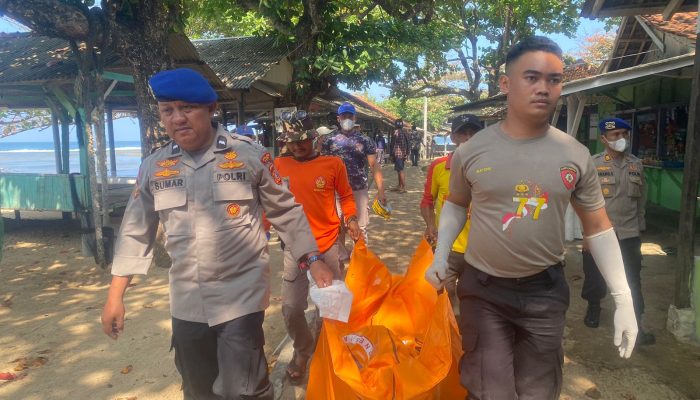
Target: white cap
(322,130)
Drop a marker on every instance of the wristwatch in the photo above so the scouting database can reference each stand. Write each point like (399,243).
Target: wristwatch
(350,219)
(306,263)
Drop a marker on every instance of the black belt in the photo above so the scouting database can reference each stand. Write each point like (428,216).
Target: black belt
(545,276)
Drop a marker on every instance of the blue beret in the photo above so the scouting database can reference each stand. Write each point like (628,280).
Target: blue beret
(182,84)
(609,124)
(346,108)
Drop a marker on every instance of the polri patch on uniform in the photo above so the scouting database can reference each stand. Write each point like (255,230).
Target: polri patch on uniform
(166,173)
(230,155)
(276,176)
(266,158)
(168,162)
(233,210)
(221,142)
(607,158)
(568,176)
(232,176)
(606,192)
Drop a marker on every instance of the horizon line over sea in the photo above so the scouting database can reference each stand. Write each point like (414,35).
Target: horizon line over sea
(38,157)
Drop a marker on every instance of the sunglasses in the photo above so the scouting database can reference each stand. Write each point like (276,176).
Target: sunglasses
(291,116)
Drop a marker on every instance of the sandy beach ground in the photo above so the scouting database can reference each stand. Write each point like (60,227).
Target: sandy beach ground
(51,298)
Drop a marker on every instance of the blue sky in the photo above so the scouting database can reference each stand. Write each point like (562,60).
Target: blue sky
(127,129)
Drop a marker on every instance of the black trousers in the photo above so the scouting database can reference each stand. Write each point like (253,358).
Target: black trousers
(414,157)
(512,334)
(594,287)
(226,361)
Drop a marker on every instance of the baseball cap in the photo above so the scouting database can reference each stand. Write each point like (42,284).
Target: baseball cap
(182,84)
(466,119)
(610,124)
(346,108)
(322,130)
(294,136)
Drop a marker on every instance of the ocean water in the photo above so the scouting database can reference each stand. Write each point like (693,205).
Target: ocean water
(38,157)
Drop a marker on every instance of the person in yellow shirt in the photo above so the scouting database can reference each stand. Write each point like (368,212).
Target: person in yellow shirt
(436,190)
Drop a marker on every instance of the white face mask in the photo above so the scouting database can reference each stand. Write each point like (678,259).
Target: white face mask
(618,145)
(347,124)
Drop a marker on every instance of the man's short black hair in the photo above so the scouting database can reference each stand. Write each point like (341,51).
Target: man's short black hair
(530,44)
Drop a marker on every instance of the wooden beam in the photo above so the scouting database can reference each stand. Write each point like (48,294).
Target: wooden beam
(650,32)
(596,7)
(671,8)
(110,137)
(689,200)
(56,141)
(63,99)
(118,77)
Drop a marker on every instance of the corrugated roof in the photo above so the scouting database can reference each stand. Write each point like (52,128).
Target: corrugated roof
(240,61)
(618,8)
(681,24)
(28,58)
(579,71)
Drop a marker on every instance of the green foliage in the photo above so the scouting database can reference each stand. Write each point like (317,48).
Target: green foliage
(495,25)
(15,121)
(220,18)
(411,110)
(353,41)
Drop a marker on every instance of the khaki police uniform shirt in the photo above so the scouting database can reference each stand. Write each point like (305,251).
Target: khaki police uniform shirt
(212,215)
(624,189)
(519,192)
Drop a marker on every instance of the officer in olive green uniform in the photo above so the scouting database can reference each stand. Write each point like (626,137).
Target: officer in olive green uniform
(621,177)
(208,188)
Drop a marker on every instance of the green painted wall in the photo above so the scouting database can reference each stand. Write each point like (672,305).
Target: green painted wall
(43,192)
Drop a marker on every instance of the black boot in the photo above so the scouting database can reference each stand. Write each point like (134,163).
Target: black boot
(644,338)
(592,318)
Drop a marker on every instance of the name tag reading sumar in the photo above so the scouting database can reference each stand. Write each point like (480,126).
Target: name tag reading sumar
(165,184)
(233,176)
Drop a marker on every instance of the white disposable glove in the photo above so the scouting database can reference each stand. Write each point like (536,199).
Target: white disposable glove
(605,250)
(452,220)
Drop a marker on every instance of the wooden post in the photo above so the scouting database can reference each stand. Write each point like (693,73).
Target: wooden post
(56,142)
(691,175)
(224,117)
(241,110)
(84,214)
(65,142)
(110,136)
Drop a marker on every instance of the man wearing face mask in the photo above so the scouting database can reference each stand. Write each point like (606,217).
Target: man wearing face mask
(356,151)
(621,178)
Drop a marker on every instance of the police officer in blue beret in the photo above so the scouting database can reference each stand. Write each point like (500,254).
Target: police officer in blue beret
(209,188)
(621,177)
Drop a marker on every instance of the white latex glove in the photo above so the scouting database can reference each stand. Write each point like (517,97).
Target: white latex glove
(605,250)
(625,323)
(452,220)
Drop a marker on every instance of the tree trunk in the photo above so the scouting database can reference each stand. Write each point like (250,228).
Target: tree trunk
(140,34)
